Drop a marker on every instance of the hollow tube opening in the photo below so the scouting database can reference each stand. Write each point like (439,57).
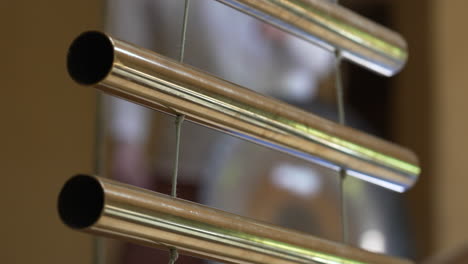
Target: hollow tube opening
(90,57)
(81,201)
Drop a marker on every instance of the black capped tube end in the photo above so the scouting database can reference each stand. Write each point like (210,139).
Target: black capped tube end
(81,201)
(90,57)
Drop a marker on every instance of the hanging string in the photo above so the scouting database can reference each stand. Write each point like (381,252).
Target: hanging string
(174,255)
(178,123)
(339,89)
(342,121)
(184,31)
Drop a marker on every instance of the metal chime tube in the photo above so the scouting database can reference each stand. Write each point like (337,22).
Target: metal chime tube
(105,207)
(331,26)
(155,81)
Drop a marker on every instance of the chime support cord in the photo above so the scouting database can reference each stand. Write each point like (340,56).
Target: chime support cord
(178,123)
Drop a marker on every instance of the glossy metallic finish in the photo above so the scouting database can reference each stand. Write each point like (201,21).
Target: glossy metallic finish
(105,207)
(333,27)
(152,80)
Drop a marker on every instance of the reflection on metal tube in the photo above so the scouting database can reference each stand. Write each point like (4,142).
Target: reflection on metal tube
(333,27)
(105,207)
(147,78)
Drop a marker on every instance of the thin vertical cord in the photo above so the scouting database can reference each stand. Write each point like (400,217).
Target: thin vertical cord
(339,89)
(342,121)
(174,255)
(184,31)
(98,168)
(180,118)
(178,123)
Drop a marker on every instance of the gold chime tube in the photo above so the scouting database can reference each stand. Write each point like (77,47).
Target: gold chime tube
(109,208)
(155,81)
(333,27)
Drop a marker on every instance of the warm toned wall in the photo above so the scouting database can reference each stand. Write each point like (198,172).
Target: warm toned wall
(412,113)
(46,128)
(430,117)
(450,138)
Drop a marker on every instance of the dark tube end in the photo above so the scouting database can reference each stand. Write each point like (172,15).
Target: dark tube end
(90,57)
(81,201)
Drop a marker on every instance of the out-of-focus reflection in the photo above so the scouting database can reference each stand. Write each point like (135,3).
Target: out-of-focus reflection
(373,240)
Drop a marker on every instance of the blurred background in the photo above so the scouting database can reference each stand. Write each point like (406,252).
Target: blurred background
(48,135)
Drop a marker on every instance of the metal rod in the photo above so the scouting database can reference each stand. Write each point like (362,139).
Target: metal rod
(333,27)
(105,207)
(158,82)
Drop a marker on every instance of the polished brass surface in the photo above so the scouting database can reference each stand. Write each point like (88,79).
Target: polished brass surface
(158,82)
(105,207)
(333,27)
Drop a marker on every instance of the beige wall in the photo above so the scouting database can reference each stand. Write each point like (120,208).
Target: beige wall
(450,137)
(429,114)
(412,115)
(46,131)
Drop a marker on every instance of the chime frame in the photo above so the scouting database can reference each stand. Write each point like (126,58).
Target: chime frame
(143,77)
